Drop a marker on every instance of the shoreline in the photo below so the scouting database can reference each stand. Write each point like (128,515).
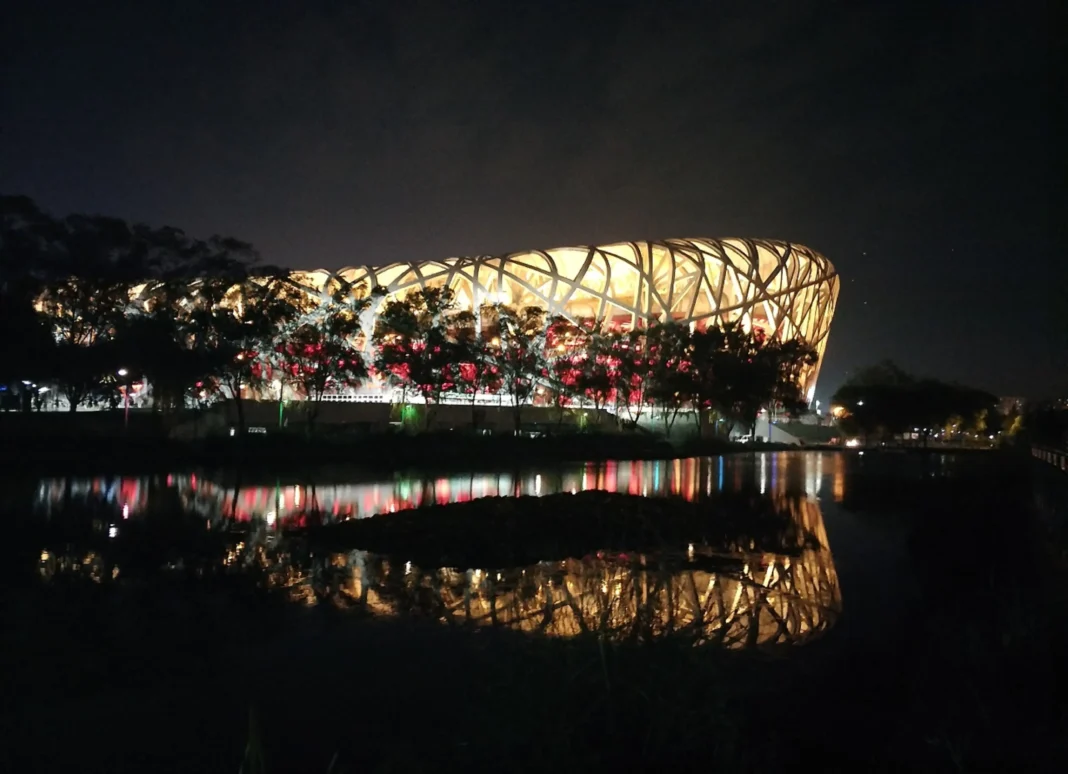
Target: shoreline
(72,455)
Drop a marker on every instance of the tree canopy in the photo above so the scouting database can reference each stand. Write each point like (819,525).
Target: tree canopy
(883,400)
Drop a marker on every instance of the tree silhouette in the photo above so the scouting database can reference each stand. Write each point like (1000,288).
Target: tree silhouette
(521,357)
(415,350)
(322,352)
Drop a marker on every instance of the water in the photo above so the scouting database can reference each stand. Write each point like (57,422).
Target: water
(294,503)
(908,600)
(734,596)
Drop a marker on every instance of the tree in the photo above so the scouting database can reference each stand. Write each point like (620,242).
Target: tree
(565,348)
(322,353)
(28,245)
(886,401)
(740,372)
(670,384)
(633,353)
(99,263)
(520,356)
(414,347)
(788,362)
(150,345)
(233,321)
(477,349)
(596,367)
(725,373)
(875,401)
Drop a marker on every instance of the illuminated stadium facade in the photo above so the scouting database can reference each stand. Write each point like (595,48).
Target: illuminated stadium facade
(782,288)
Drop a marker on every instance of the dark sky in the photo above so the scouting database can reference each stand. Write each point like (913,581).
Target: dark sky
(911,144)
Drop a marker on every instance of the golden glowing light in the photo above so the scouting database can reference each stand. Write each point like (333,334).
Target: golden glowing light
(784,289)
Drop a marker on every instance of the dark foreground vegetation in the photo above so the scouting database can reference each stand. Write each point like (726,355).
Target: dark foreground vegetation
(158,672)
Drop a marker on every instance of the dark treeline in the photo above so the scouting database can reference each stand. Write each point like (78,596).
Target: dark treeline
(90,305)
(424,344)
(884,401)
(88,302)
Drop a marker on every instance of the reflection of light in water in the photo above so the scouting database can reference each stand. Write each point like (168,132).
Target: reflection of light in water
(764,600)
(291,504)
(838,485)
(812,482)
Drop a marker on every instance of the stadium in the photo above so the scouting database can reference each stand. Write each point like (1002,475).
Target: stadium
(782,288)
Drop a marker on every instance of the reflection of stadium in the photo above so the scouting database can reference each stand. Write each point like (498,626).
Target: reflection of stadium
(785,289)
(734,601)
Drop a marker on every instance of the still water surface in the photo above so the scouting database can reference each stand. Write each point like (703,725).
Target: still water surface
(772,473)
(733,596)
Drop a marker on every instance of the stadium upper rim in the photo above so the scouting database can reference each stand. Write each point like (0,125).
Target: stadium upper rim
(780,283)
(783,288)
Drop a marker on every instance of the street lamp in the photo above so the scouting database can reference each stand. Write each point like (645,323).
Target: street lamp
(126,399)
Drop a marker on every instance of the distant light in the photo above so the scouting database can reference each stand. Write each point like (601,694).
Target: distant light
(123,372)
(862,453)
(860,403)
(852,442)
(27,382)
(233,432)
(125,510)
(113,532)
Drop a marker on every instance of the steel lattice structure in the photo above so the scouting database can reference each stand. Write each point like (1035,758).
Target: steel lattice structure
(786,289)
(763,600)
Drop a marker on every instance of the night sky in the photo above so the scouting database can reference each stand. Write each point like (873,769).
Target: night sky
(910,144)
